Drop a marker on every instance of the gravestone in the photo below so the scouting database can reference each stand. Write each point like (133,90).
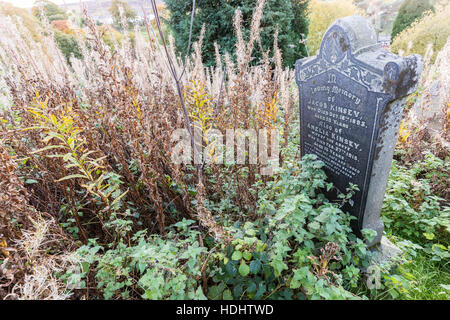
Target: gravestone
(351,103)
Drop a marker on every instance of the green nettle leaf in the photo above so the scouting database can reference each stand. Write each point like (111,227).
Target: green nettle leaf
(278,266)
(244,269)
(323,216)
(299,276)
(330,228)
(314,226)
(142,266)
(237,255)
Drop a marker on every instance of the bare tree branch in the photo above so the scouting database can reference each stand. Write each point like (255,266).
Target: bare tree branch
(190,39)
(177,79)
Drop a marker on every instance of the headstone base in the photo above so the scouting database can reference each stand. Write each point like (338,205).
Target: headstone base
(386,250)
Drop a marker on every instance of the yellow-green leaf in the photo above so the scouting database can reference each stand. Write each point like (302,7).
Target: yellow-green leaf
(45,149)
(72,176)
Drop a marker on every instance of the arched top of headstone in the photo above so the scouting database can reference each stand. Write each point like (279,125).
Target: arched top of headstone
(353,33)
(350,47)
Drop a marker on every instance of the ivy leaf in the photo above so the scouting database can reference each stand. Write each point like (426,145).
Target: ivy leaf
(244,269)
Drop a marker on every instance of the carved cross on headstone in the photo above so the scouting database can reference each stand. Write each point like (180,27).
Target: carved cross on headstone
(350,110)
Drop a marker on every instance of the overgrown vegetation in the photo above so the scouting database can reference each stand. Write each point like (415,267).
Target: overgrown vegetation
(414,211)
(432,30)
(416,218)
(273,256)
(93,207)
(409,11)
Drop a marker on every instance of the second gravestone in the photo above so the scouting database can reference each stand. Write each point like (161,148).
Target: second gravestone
(350,112)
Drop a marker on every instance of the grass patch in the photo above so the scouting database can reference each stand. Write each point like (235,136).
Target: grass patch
(416,279)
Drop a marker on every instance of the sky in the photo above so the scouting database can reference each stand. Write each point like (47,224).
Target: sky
(29,3)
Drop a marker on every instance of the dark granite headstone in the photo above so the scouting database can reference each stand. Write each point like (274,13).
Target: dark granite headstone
(350,110)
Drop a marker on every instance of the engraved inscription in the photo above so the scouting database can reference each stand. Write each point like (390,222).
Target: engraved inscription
(336,123)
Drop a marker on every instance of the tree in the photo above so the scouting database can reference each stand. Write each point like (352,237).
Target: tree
(64,38)
(410,11)
(288,17)
(50,9)
(301,21)
(68,45)
(128,11)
